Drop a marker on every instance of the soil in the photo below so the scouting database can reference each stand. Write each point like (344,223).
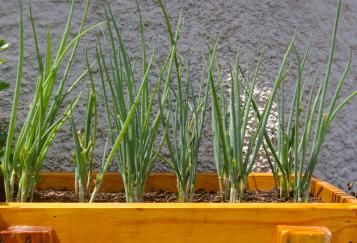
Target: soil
(250,196)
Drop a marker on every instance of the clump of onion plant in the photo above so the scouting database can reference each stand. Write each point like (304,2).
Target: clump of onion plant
(301,134)
(229,125)
(84,141)
(132,123)
(24,156)
(183,117)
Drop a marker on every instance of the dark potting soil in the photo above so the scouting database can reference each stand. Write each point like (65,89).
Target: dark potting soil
(250,196)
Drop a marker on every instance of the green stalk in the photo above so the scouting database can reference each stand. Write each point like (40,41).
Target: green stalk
(232,136)
(24,158)
(85,141)
(105,165)
(7,165)
(133,126)
(299,149)
(182,117)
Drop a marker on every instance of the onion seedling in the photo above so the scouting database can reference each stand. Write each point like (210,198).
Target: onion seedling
(132,123)
(183,117)
(22,161)
(229,126)
(300,140)
(84,141)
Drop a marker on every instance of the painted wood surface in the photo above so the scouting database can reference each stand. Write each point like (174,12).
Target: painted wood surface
(175,222)
(27,234)
(303,234)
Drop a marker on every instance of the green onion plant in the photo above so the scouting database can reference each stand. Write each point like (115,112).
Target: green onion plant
(133,125)
(229,125)
(183,116)
(302,132)
(24,155)
(84,141)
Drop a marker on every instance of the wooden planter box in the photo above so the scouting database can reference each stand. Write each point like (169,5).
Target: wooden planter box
(332,221)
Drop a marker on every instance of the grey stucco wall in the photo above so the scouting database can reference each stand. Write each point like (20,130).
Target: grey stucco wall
(249,25)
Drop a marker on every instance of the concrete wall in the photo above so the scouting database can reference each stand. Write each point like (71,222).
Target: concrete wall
(250,26)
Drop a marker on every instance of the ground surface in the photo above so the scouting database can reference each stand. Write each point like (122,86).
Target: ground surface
(250,196)
(249,25)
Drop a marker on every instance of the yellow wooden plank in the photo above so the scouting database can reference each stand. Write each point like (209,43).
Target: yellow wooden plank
(330,193)
(303,234)
(174,222)
(162,222)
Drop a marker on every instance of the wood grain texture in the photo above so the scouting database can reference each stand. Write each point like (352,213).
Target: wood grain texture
(24,234)
(180,222)
(303,234)
(330,193)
